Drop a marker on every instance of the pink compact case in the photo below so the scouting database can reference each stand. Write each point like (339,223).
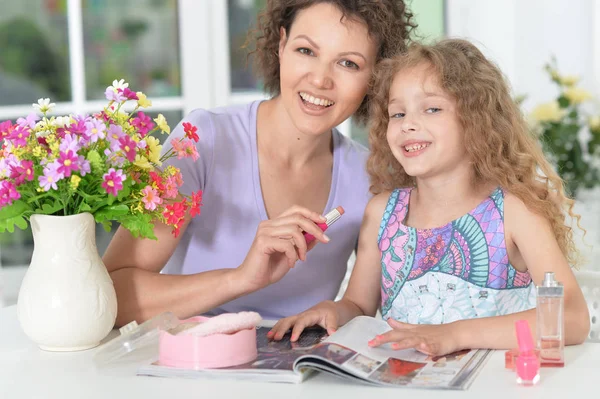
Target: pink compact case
(206,352)
(178,346)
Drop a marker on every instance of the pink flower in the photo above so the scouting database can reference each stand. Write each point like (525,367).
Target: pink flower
(113,181)
(8,193)
(190,131)
(113,95)
(185,149)
(130,95)
(28,121)
(171,188)
(22,172)
(95,130)
(128,146)
(178,148)
(143,123)
(19,136)
(50,177)
(151,198)
(196,203)
(6,129)
(68,161)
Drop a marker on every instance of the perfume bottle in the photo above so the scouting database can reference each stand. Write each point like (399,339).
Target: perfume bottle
(550,322)
(527,363)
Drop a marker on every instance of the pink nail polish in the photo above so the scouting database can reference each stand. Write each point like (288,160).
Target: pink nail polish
(527,363)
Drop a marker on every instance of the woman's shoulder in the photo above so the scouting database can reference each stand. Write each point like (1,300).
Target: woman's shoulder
(228,116)
(351,147)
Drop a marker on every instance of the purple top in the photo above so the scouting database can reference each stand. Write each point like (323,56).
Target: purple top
(227,172)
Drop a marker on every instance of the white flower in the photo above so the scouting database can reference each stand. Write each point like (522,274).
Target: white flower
(121,84)
(44,105)
(42,128)
(61,121)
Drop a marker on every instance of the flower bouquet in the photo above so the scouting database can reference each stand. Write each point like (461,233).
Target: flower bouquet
(66,173)
(569,132)
(107,164)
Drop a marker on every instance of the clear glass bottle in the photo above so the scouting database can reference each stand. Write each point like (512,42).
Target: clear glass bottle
(550,322)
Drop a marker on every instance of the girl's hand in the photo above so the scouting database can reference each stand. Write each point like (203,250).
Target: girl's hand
(323,314)
(431,339)
(278,244)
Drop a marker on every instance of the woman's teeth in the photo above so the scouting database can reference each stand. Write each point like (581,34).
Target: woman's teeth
(416,147)
(315,100)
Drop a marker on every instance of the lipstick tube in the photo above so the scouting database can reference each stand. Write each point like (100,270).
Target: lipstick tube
(330,218)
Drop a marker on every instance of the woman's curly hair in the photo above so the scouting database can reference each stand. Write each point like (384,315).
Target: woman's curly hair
(388,21)
(502,148)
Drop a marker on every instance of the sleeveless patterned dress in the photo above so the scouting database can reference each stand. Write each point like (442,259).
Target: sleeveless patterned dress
(454,272)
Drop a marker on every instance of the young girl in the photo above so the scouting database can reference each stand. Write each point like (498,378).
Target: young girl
(467,213)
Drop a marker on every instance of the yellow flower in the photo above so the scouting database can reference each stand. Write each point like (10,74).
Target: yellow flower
(143,100)
(568,80)
(577,96)
(171,170)
(594,123)
(161,122)
(37,151)
(142,162)
(75,181)
(548,112)
(154,149)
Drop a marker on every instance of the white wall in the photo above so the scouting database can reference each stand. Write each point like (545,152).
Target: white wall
(522,35)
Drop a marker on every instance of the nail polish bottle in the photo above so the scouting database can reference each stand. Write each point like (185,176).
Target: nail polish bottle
(550,322)
(527,363)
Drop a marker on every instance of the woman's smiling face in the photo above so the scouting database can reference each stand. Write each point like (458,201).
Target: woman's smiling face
(326,63)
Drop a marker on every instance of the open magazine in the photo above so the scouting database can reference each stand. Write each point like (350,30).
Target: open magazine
(347,355)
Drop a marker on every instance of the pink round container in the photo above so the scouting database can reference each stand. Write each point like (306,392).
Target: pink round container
(212,351)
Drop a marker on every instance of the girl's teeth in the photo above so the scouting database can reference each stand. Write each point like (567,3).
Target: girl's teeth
(415,147)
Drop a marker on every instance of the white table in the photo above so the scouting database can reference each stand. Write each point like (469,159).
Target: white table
(28,372)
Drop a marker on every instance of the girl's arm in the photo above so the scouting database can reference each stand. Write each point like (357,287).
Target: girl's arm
(364,288)
(537,248)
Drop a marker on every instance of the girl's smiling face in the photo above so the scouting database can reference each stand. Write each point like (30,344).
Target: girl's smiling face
(424,133)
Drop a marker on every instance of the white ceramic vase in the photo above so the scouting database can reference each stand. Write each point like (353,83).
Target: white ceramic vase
(67,301)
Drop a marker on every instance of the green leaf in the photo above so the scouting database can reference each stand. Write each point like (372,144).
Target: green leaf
(16,209)
(48,209)
(85,207)
(111,199)
(107,226)
(124,193)
(13,215)
(563,102)
(111,213)
(140,225)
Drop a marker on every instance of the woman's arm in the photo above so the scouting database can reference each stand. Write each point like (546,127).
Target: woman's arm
(361,296)
(142,292)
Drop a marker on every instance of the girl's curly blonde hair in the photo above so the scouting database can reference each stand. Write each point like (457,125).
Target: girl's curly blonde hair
(388,21)
(502,148)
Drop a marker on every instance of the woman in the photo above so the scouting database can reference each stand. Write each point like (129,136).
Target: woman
(277,164)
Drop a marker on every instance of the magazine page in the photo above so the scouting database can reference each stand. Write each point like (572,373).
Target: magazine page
(274,363)
(347,353)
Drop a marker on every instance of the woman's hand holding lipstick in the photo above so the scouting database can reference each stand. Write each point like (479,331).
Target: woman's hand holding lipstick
(279,243)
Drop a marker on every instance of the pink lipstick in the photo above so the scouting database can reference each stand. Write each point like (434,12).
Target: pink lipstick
(330,218)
